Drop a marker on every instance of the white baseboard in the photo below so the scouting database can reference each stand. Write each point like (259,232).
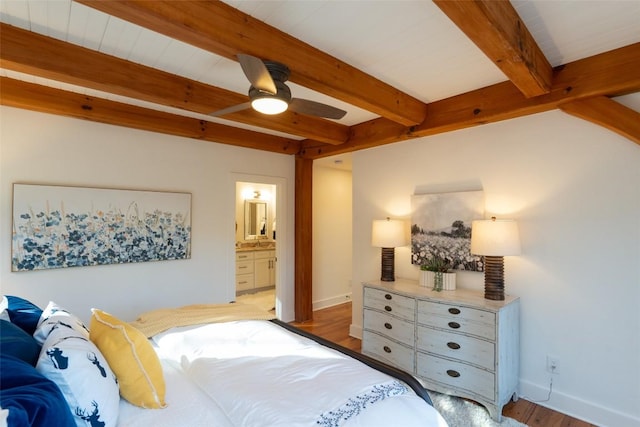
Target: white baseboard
(575,407)
(330,302)
(355,331)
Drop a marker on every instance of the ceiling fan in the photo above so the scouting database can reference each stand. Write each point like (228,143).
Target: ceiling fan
(269,95)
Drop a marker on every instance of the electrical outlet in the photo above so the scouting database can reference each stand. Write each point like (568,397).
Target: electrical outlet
(553,365)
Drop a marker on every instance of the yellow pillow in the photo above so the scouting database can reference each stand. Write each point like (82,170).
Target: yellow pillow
(131,358)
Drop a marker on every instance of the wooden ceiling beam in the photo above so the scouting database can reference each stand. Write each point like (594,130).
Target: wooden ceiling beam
(495,27)
(219,28)
(612,73)
(607,113)
(30,96)
(49,58)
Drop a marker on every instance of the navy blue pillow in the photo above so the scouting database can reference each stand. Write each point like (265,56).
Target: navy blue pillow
(16,342)
(31,398)
(23,313)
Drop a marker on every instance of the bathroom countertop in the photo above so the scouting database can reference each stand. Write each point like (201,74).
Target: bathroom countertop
(256,248)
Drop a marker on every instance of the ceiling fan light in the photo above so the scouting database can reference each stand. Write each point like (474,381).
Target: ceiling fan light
(269,105)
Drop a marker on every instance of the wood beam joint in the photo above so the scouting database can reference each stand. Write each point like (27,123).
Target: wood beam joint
(612,73)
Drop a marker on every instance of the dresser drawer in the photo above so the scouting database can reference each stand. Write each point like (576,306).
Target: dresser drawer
(244,267)
(459,319)
(244,256)
(264,254)
(458,375)
(390,326)
(244,282)
(388,351)
(390,303)
(457,346)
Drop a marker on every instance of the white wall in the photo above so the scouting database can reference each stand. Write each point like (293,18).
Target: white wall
(575,190)
(332,206)
(46,149)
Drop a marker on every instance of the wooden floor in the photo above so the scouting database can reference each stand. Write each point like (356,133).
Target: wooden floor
(333,324)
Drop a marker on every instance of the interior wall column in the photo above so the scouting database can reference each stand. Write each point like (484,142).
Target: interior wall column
(303,239)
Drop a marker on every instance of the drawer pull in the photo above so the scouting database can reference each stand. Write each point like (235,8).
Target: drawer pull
(386,307)
(386,349)
(388,326)
(453,345)
(454,310)
(454,325)
(452,373)
(388,296)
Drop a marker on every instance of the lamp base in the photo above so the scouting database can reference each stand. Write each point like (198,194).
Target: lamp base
(494,278)
(388,263)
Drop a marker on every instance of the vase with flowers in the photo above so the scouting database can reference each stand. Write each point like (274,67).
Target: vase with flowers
(436,273)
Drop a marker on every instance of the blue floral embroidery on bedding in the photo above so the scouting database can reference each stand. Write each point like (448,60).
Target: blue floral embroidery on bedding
(355,405)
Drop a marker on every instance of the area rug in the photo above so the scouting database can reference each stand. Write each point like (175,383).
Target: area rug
(264,299)
(463,413)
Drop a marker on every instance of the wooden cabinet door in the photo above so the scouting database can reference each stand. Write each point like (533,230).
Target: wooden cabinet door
(262,272)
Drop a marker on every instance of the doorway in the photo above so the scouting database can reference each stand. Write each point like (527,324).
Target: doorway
(260,243)
(255,244)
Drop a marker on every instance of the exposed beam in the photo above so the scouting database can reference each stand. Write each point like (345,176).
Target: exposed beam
(612,73)
(303,239)
(364,135)
(219,28)
(608,113)
(46,57)
(495,27)
(35,97)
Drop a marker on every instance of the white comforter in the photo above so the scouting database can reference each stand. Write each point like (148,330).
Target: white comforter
(254,373)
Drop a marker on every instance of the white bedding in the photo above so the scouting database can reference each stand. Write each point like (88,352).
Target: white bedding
(255,373)
(187,406)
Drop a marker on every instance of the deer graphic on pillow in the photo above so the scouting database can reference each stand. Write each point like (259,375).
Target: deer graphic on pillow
(93,418)
(59,360)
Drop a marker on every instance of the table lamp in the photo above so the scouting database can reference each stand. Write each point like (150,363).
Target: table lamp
(388,234)
(494,238)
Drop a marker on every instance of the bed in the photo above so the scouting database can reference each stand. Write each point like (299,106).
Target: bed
(223,365)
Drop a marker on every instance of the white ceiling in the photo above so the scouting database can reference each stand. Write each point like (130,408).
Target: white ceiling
(409,44)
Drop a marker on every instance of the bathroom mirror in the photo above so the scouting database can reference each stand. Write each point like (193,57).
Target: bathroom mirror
(255,219)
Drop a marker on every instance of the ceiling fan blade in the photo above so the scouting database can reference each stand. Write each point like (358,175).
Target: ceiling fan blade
(313,108)
(231,109)
(257,73)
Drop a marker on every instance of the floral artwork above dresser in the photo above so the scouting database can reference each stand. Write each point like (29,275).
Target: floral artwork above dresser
(441,228)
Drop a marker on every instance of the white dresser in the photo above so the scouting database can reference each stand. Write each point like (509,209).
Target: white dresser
(455,342)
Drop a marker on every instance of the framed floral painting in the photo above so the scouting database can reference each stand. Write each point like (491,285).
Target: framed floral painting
(441,229)
(58,227)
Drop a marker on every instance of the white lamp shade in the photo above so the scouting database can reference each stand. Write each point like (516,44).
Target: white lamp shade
(495,237)
(388,233)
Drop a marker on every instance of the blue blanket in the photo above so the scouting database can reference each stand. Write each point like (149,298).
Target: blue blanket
(31,398)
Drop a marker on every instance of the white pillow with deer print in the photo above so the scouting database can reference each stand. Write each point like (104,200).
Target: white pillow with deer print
(51,316)
(81,372)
